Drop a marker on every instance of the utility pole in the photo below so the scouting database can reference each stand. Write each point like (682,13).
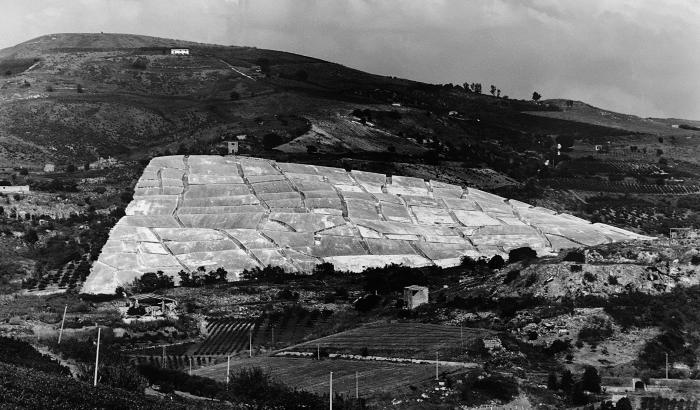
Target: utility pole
(461,336)
(666,365)
(162,360)
(357,386)
(250,343)
(228,368)
(318,351)
(190,372)
(273,336)
(330,390)
(436,366)
(65,309)
(97,356)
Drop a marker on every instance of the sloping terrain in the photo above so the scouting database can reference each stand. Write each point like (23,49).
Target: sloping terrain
(70,98)
(581,112)
(241,213)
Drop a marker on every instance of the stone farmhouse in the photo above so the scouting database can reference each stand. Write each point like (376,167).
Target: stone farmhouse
(414,296)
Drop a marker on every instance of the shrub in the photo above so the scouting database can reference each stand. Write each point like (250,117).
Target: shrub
(141,63)
(612,280)
(31,236)
(367,303)
(271,140)
(624,404)
(122,376)
(21,353)
(274,274)
(287,294)
(531,279)
(567,381)
(558,346)
(575,268)
(695,260)
(496,262)
(575,256)
(521,254)
(392,278)
(589,277)
(323,270)
(511,276)
(590,380)
(149,281)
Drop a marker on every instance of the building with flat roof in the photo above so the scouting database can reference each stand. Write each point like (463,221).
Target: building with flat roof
(14,189)
(180,51)
(414,296)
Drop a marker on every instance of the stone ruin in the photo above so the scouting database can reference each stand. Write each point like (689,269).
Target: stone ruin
(240,213)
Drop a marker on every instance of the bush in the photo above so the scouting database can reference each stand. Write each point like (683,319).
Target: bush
(141,63)
(575,256)
(695,260)
(496,262)
(122,376)
(391,278)
(575,268)
(274,274)
(149,281)
(612,280)
(22,354)
(323,270)
(590,380)
(287,294)
(272,140)
(475,389)
(511,276)
(521,254)
(558,346)
(367,303)
(589,277)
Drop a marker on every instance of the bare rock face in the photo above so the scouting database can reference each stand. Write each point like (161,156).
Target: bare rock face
(240,212)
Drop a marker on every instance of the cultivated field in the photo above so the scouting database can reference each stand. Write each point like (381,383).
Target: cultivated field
(405,340)
(313,375)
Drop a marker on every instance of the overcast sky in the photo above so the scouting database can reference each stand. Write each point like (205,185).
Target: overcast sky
(633,56)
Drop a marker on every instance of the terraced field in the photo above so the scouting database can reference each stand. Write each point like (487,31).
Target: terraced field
(403,340)
(69,276)
(241,213)
(313,375)
(622,187)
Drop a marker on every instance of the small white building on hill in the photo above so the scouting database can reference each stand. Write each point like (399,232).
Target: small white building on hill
(180,51)
(16,189)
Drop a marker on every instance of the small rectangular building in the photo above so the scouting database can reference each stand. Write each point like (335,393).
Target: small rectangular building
(180,51)
(14,189)
(49,167)
(414,296)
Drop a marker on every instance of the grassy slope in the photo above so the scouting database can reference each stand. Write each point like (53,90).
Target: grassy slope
(584,113)
(22,388)
(125,109)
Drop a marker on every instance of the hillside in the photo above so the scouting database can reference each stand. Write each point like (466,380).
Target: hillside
(578,111)
(70,98)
